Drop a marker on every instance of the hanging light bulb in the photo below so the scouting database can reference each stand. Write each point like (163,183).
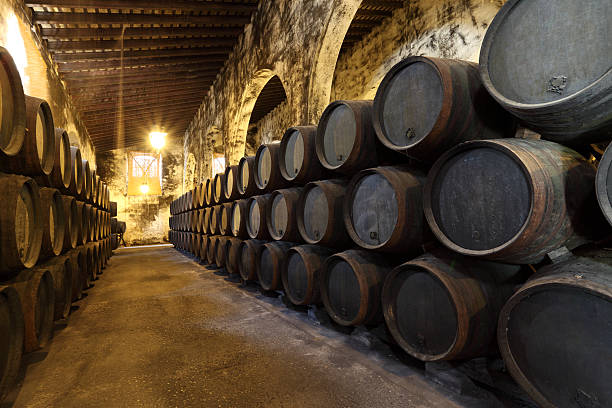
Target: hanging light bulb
(158,139)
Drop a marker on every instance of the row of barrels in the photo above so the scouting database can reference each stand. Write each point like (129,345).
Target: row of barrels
(445,306)
(35,298)
(31,145)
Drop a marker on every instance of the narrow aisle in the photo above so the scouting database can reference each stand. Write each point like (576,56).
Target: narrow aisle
(159,330)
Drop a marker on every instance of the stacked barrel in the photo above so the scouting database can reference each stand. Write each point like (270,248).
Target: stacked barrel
(427,210)
(54,224)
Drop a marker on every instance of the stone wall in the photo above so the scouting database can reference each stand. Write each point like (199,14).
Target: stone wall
(300,41)
(39,76)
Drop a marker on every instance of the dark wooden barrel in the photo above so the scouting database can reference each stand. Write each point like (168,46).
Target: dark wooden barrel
(91,221)
(20,224)
(13,108)
(62,167)
(249,256)
(12,329)
(345,140)
(200,222)
(238,218)
(94,187)
(232,255)
(113,208)
(37,296)
(84,218)
(53,222)
(115,241)
(197,244)
(424,106)
(257,208)
(211,250)
(267,169)
(301,273)
(281,216)
(86,189)
(512,200)
(230,187)
(95,260)
(193,220)
(208,192)
(72,224)
(246,177)
(77,257)
(298,161)
(61,270)
(555,334)
(219,188)
(384,209)
(215,218)
(201,195)
(195,197)
(430,304)
(603,184)
(37,154)
(225,227)
(561,89)
(204,247)
(272,257)
(220,249)
(351,284)
(77,176)
(206,220)
(320,212)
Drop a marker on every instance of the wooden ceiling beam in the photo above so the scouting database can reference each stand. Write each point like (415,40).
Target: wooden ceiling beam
(131,32)
(168,62)
(81,45)
(125,18)
(182,5)
(144,79)
(142,54)
(128,89)
(127,72)
(148,111)
(107,98)
(140,103)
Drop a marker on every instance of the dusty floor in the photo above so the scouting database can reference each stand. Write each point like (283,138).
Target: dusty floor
(160,330)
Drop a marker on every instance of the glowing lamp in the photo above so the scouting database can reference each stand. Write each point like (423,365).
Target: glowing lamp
(158,139)
(144,188)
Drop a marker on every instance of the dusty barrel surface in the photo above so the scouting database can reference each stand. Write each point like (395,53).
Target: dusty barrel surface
(351,284)
(37,154)
(249,254)
(384,209)
(603,184)
(424,106)
(77,177)
(555,334)
(246,177)
(257,209)
(298,161)
(232,255)
(13,107)
(320,210)
(430,303)
(21,222)
(11,343)
(238,218)
(37,296)
(72,223)
(61,269)
(266,167)
(560,88)
(230,189)
(281,216)
(272,257)
(53,222)
(301,273)
(512,200)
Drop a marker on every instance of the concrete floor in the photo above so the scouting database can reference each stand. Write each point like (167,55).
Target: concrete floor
(160,330)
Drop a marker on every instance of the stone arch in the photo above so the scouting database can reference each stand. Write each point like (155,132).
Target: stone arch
(234,148)
(321,77)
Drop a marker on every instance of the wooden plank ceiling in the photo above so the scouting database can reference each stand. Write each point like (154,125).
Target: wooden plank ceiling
(132,66)
(371,14)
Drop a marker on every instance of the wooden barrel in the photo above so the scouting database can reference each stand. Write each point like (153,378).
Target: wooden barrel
(219,188)
(281,215)
(351,284)
(13,107)
(201,195)
(211,250)
(20,224)
(257,208)
(448,290)
(302,272)
(94,187)
(238,218)
(603,184)
(272,258)
(512,200)
(62,168)
(12,329)
(77,177)
(220,249)
(225,227)
(345,140)
(115,241)
(113,208)
(205,239)
(208,192)
(249,255)
(89,210)
(424,106)
(555,334)
(230,187)
(86,189)
(298,161)
(232,255)
(195,197)
(37,154)
(197,244)
(53,222)
(559,88)
(72,223)
(267,170)
(37,296)
(193,220)
(384,209)
(84,218)
(95,257)
(215,219)
(206,220)
(78,282)
(246,177)
(61,270)
(320,210)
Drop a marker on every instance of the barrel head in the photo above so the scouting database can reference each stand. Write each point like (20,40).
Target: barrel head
(316,213)
(297,277)
(339,135)
(235,218)
(293,155)
(263,168)
(266,267)
(254,218)
(279,219)
(243,175)
(343,291)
